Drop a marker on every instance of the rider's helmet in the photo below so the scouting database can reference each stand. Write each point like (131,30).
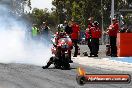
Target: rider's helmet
(61,29)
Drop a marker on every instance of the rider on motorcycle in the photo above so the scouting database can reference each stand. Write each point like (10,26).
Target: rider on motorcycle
(58,35)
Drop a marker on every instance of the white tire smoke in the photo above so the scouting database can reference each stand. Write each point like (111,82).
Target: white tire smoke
(14,46)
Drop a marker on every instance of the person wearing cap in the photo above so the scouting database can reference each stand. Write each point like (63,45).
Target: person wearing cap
(91,21)
(112,32)
(88,33)
(96,34)
(75,36)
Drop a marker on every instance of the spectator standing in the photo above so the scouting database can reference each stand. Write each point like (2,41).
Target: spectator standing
(75,36)
(35,31)
(88,33)
(96,34)
(112,32)
(44,31)
(68,28)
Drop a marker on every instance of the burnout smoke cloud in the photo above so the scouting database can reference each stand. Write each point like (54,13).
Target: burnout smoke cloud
(14,45)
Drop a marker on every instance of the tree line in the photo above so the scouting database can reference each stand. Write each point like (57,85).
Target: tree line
(80,10)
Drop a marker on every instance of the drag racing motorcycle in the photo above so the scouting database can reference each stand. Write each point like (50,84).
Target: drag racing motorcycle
(62,52)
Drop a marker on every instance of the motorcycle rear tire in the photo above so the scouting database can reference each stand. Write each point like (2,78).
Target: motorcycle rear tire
(66,65)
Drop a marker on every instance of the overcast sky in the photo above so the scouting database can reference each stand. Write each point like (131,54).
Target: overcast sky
(41,4)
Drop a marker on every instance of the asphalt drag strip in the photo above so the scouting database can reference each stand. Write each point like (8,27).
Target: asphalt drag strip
(30,76)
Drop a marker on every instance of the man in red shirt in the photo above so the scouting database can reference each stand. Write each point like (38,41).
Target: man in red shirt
(112,32)
(75,36)
(88,33)
(96,34)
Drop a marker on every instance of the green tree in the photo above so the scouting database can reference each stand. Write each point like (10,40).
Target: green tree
(81,10)
(38,16)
